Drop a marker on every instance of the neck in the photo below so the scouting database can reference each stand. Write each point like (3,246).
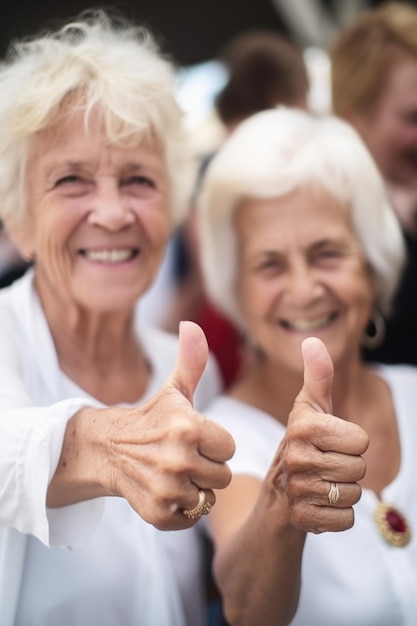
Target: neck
(273,389)
(99,351)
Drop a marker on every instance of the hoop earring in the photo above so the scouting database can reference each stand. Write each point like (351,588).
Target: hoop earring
(374,334)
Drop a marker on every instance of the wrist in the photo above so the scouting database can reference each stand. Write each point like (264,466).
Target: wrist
(82,472)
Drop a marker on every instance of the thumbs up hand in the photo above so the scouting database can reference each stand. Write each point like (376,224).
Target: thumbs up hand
(162,457)
(166,452)
(320,457)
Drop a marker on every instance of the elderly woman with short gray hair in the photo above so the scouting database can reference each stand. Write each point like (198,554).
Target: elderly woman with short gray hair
(100,443)
(302,249)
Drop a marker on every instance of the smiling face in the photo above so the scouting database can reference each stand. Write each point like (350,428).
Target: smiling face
(390,130)
(98,217)
(301,273)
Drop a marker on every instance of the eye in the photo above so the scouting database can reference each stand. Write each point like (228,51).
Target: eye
(67,180)
(328,256)
(140,181)
(270,265)
(72,186)
(329,253)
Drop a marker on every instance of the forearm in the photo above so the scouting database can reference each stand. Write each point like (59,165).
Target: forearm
(258,570)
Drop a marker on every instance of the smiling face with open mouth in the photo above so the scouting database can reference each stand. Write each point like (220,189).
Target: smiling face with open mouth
(301,272)
(98,217)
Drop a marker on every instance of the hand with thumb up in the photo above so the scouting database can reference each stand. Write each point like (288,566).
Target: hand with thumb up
(320,456)
(163,457)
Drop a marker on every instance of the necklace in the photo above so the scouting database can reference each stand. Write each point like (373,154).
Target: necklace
(392,525)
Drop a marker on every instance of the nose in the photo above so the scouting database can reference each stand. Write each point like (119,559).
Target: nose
(303,285)
(110,208)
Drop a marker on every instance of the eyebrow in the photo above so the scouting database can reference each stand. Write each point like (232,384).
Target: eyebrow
(79,165)
(328,241)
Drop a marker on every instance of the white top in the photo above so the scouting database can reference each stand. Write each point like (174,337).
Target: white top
(116,569)
(352,578)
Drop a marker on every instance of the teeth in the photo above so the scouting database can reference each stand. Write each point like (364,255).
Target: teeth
(307,325)
(109,256)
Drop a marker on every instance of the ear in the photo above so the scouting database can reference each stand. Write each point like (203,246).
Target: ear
(23,237)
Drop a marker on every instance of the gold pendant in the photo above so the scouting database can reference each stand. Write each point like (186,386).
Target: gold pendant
(392,525)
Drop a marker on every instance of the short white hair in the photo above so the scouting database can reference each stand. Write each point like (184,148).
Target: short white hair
(107,64)
(275,152)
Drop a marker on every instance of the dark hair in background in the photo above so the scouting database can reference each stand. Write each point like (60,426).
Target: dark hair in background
(265,69)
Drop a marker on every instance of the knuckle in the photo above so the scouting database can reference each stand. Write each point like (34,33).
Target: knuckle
(363,440)
(294,461)
(299,429)
(303,516)
(301,458)
(176,462)
(184,428)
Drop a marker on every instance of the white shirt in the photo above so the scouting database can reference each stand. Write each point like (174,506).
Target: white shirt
(352,578)
(95,562)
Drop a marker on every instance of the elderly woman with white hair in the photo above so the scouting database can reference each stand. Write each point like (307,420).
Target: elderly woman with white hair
(101,447)
(301,248)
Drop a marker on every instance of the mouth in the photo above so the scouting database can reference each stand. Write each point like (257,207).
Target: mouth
(116,255)
(411,158)
(311,325)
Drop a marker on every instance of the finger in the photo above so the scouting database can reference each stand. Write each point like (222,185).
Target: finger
(216,443)
(320,519)
(318,375)
(349,465)
(335,454)
(348,495)
(319,492)
(210,475)
(191,359)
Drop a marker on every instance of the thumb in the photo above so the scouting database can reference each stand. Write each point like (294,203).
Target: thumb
(191,359)
(318,375)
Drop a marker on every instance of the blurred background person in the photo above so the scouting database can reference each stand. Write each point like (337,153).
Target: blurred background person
(264,69)
(374,88)
(100,444)
(300,246)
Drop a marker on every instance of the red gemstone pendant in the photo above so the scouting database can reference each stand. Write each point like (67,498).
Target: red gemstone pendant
(392,525)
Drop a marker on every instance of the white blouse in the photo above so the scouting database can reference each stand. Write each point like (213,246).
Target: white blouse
(95,562)
(352,578)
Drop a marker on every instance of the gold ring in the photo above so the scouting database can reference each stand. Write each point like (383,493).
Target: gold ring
(202,508)
(334,494)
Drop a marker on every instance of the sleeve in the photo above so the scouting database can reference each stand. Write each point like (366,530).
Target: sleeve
(30,447)
(31,440)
